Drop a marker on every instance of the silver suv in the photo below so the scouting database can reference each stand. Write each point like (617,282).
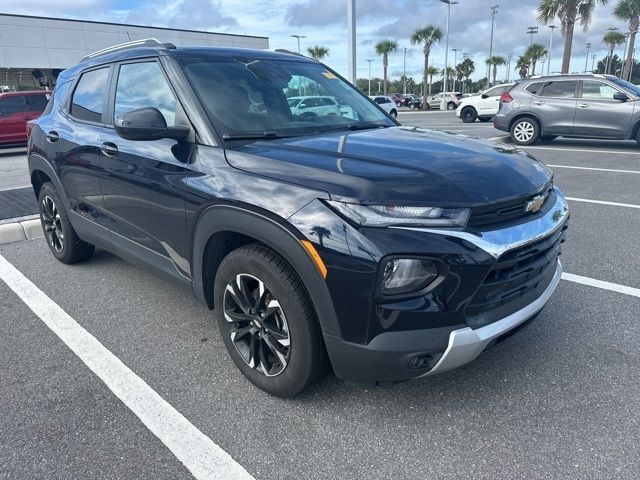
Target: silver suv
(583,106)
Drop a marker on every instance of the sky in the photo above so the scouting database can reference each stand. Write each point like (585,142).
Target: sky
(323,22)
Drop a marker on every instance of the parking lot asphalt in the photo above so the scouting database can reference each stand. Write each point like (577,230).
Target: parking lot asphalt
(559,400)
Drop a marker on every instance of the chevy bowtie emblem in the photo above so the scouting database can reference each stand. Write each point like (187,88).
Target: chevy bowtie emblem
(535,204)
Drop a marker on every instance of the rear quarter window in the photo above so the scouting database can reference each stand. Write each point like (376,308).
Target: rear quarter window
(534,88)
(88,98)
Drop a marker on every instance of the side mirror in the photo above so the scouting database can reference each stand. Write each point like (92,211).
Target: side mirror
(147,124)
(484,96)
(302,105)
(622,97)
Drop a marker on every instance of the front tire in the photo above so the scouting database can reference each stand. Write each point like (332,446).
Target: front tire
(394,113)
(468,114)
(267,322)
(62,239)
(525,131)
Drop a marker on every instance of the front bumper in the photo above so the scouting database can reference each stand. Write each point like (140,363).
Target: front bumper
(402,355)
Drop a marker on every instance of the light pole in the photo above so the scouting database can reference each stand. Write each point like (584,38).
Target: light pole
(586,60)
(633,60)
(369,60)
(299,37)
(379,88)
(624,55)
(443,102)
(351,40)
(593,62)
(455,62)
(532,31)
(509,57)
(404,72)
(552,27)
(494,10)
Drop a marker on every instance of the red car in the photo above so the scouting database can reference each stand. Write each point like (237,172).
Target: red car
(16,109)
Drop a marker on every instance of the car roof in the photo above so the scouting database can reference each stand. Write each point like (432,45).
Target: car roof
(24,92)
(148,49)
(569,76)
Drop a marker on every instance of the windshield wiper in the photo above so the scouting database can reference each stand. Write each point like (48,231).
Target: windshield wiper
(252,136)
(352,127)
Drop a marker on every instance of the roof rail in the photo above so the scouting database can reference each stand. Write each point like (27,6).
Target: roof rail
(146,42)
(284,50)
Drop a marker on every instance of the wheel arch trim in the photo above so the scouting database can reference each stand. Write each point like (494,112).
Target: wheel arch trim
(287,244)
(39,163)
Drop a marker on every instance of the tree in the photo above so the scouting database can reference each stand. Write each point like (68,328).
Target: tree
(569,12)
(431,71)
(629,11)
(494,62)
(426,36)
(534,53)
(612,39)
(522,65)
(466,68)
(384,48)
(318,52)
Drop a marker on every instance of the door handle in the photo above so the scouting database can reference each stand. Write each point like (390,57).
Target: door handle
(109,149)
(52,136)
(584,105)
(538,102)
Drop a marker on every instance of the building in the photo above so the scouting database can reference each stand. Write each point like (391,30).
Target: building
(33,50)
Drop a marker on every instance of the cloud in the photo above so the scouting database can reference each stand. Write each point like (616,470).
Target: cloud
(188,14)
(327,12)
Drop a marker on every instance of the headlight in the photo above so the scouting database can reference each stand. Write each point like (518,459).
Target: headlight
(386,215)
(407,275)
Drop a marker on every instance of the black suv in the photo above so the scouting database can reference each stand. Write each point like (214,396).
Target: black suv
(391,252)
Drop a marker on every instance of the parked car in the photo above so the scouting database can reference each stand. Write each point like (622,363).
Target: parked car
(16,109)
(581,106)
(384,251)
(312,106)
(451,99)
(387,104)
(415,103)
(399,99)
(482,107)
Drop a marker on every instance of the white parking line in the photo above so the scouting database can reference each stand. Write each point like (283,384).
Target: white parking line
(569,149)
(602,202)
(594,169)
(202,457)
(592,282)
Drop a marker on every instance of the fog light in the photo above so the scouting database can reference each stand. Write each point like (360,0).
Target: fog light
(407,275)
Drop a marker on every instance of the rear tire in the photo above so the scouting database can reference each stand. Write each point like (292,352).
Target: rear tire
(451,106)
(271,333)
(525,131)
(62,239)
(468,114)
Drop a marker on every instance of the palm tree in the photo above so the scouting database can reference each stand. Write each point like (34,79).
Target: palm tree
(466,68)
(495,61)
(612,39)
(534,53)
(629,11)
(426,36)
(384,48)
(318,52)
(569,12)
(522,65)
(431,71)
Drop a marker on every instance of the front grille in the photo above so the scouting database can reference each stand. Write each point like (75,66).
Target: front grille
(516,280)
(497,215)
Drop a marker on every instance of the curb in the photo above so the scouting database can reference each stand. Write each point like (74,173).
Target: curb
(18,231)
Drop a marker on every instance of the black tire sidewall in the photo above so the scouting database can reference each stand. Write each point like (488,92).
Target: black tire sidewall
(306,348)
(536,131)
(473,114)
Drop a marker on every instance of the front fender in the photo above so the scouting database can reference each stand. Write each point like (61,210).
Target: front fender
(284,240)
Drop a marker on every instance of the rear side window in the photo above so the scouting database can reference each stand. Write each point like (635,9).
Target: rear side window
(561,89)
(88,98)
(37,103)
(143,85)
(534,88)
(13,104)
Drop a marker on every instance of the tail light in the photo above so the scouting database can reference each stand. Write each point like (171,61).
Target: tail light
(506,98)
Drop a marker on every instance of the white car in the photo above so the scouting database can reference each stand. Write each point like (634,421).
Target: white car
(434,101)
(482,107)
(387,104)
(312,106)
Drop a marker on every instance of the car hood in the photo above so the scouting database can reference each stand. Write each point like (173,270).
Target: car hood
(402,165)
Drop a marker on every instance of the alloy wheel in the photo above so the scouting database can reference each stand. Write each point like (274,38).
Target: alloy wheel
(52,224)
(524,131)
(257,325)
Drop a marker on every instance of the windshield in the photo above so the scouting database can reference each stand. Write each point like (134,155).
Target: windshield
(245,97)
(629,86)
